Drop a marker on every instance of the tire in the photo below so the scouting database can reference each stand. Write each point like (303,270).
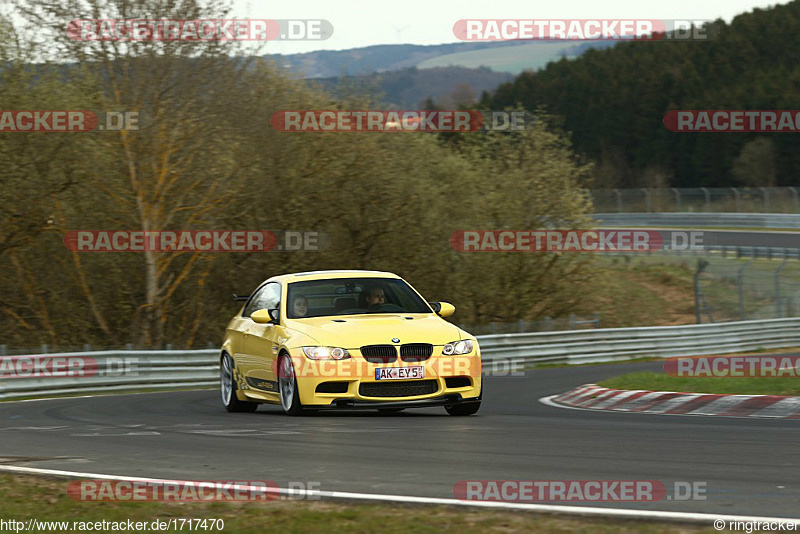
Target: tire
(227,386)
(287,386)
(467,408)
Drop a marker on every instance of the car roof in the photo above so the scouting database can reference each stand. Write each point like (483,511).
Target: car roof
(324,275)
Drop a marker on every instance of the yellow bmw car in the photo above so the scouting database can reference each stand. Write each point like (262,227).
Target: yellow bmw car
(347,340)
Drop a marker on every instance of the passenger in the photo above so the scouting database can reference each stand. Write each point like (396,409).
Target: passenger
(300,306)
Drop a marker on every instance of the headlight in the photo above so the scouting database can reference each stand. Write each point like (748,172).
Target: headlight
(326,353)
(457,347)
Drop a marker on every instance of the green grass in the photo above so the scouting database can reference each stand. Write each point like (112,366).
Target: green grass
(563,365)
(648,359)
(630,292)
(45,499)
(716,263)
(657,290)
(730,385)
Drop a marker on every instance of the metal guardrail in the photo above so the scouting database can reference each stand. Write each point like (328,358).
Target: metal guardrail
(617,344)
(700,220)
(698,199)
(111,371)
(738,243)
(107,371)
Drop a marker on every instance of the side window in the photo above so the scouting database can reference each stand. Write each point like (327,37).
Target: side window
(265,298)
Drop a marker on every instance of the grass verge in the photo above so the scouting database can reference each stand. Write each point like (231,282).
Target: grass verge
(45,499)
(728,385)
(759,352)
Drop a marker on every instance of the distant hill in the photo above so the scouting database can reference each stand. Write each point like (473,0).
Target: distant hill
(513,59)
(510,56)
(408,88)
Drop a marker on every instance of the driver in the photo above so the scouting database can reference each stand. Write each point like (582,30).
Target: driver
(375,298)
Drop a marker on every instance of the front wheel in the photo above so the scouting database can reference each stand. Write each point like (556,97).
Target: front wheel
(468,408)
(287,385)
(227,386)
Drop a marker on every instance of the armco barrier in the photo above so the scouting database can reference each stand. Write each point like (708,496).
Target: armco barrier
(616,344)
(780,243)
(179,369)
(111,371)
(700,220)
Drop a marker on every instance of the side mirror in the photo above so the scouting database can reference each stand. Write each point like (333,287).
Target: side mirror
(265,316)
(443,309)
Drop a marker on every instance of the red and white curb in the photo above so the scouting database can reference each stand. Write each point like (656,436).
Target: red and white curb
(594,397)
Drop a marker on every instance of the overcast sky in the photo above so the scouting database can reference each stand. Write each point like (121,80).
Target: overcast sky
(360,23)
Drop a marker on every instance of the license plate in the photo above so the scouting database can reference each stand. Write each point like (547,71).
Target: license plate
(399,373)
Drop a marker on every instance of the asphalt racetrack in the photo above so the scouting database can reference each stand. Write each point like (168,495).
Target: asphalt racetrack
(750,466)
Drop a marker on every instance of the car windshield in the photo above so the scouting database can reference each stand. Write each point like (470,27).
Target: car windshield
(347,296)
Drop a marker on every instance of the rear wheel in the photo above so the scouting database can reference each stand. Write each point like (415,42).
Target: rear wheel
(287,385)
(227,386)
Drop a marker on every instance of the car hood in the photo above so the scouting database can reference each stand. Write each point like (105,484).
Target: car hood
(353,331)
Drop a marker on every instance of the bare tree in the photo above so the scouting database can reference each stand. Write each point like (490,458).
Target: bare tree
(172,173)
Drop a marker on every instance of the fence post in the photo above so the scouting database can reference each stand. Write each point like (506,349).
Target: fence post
(708,198)
(796,198)
(778,287)
(3,350)
(701,265)
(619,200)
(44,348)
(766,199)
(547,324)
(647,200)
(740,283)
(677,198)
(521,324)
(738,196)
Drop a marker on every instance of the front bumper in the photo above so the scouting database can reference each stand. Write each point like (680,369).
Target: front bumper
(357,404)
(457,379)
